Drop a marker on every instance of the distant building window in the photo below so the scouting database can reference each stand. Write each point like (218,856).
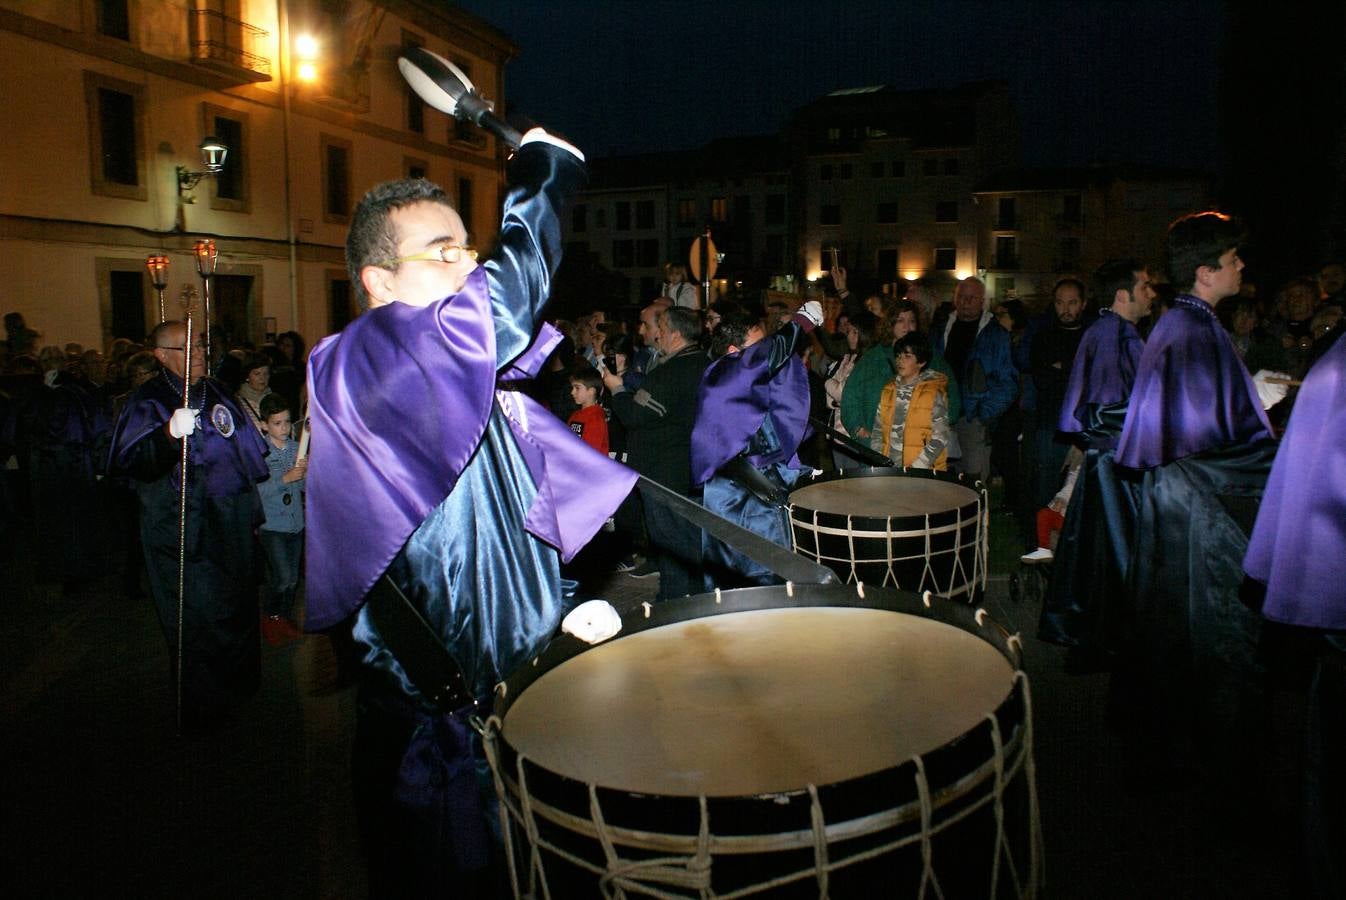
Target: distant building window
(231,184)
(686,212)
(116,112)
(887,213)
(1070,255)
(579,218)
(623,254)
(647,253)
(623,221)
(887,265)
(775,209)
(465,201)
(951,166)
(414,105)
(845,170)
(829,214)
(825,172)
(415,168)
(127,294)
(601,217)
(877,169)
(930,167)
(897,168)
(743,209)
(946,211)
(774,252)
(336,179)
(340,309)
(946,257)
(1006,252)
(1070,209)
(645,214)
(114,20)
(1005,213)
(833,135)
(464,130)
(719,209)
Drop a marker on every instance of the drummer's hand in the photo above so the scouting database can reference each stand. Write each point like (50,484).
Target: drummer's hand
(613,382)
(839,279)
(862,432)
(592,621)
(1271,387)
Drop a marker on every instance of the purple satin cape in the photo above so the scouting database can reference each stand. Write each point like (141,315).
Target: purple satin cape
(1104,370)
(399,401)
(232,462)
(1192,392)
(738,393)
(1298,546)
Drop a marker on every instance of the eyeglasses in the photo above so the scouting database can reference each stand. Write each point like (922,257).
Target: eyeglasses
(196,348)
(446,253)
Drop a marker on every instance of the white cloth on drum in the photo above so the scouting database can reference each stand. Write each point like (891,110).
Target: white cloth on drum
(592,621)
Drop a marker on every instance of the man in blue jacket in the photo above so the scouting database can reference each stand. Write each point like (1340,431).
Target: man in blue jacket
(978,349)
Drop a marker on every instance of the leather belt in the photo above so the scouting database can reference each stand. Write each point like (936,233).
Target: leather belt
(418,649)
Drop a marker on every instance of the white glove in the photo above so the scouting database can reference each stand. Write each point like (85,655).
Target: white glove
(183,422)
(592,621)
(813,311)
(1270,394)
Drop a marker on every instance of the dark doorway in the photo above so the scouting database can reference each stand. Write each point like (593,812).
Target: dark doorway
(128,305)
(233,322)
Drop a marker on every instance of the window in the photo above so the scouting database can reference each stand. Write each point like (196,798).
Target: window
(1070,209)
(946,257)
(601,217)
(845,170)
(623,254)
(414,105)
(114,20)
(336,179)
(887,213)
(775,209)
(647,252)
(774,252)
(897,168)
(877,169)
(951,166)
(415,168)
(826,258)
(465,201)
(719,209)
(1006,252)
(887,265)
(1004,288)
(340,304)
(930,167)
(127,291)
(833,135)
(825,172)
(743,209)
(829,214)
(116,136)
(1005,209)
(579,218)
(230,188)
(1070,255)
(645,214)
(946,211)
(462,129)
(686,212)
(623,215)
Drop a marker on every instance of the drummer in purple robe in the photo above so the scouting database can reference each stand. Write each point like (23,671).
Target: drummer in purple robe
(752,413)
(427,478)
(220,640)
(1196,433)
(1093,551)
(1298,550)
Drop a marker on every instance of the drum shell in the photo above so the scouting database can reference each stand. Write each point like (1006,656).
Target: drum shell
(943,550)
(758,837)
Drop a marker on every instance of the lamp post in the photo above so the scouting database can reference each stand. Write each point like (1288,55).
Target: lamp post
(157,265)
(206,255)
(213,155)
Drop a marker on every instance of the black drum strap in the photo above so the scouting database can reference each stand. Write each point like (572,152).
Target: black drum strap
(851,445)
(779,560)
(418,649)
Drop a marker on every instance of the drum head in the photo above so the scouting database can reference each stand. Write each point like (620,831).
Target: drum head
(878,496)
(760,701)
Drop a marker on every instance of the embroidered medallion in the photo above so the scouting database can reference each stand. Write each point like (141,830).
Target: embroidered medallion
(222,419)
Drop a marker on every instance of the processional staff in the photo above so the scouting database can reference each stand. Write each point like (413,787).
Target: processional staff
(206,255)
(188,298)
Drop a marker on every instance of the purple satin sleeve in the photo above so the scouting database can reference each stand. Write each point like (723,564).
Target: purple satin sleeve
(226,446)
(738,393)
(1192,392)
(1298,546)
(1104,370)
(578,488)
(530,361)
(398,402)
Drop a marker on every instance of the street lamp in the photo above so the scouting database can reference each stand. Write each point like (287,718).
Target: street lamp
(157,265)
(206,255)
(213,154)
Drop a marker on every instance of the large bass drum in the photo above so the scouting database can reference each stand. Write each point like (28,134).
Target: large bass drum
(911,529)
(811,741)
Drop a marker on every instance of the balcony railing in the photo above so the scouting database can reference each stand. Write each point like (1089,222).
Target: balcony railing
(223,43)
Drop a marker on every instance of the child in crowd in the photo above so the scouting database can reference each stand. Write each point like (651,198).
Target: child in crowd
(282,534)
(1053,516)
(590,420)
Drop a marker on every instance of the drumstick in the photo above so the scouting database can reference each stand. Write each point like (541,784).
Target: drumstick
(1293,382)
(303,439)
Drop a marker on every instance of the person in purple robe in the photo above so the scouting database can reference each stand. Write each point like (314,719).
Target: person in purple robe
(1298,550)
(752,413)
(220,620)
(462,495)
(1188,680)
(1093,550)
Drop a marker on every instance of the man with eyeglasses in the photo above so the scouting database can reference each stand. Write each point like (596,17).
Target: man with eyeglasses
(427,482)
(220,649)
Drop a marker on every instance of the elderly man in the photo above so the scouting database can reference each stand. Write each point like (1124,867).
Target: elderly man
(220,649)
(428,487)
(658,420)
(978,350)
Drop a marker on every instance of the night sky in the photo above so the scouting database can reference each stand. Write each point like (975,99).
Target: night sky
(1101,81)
